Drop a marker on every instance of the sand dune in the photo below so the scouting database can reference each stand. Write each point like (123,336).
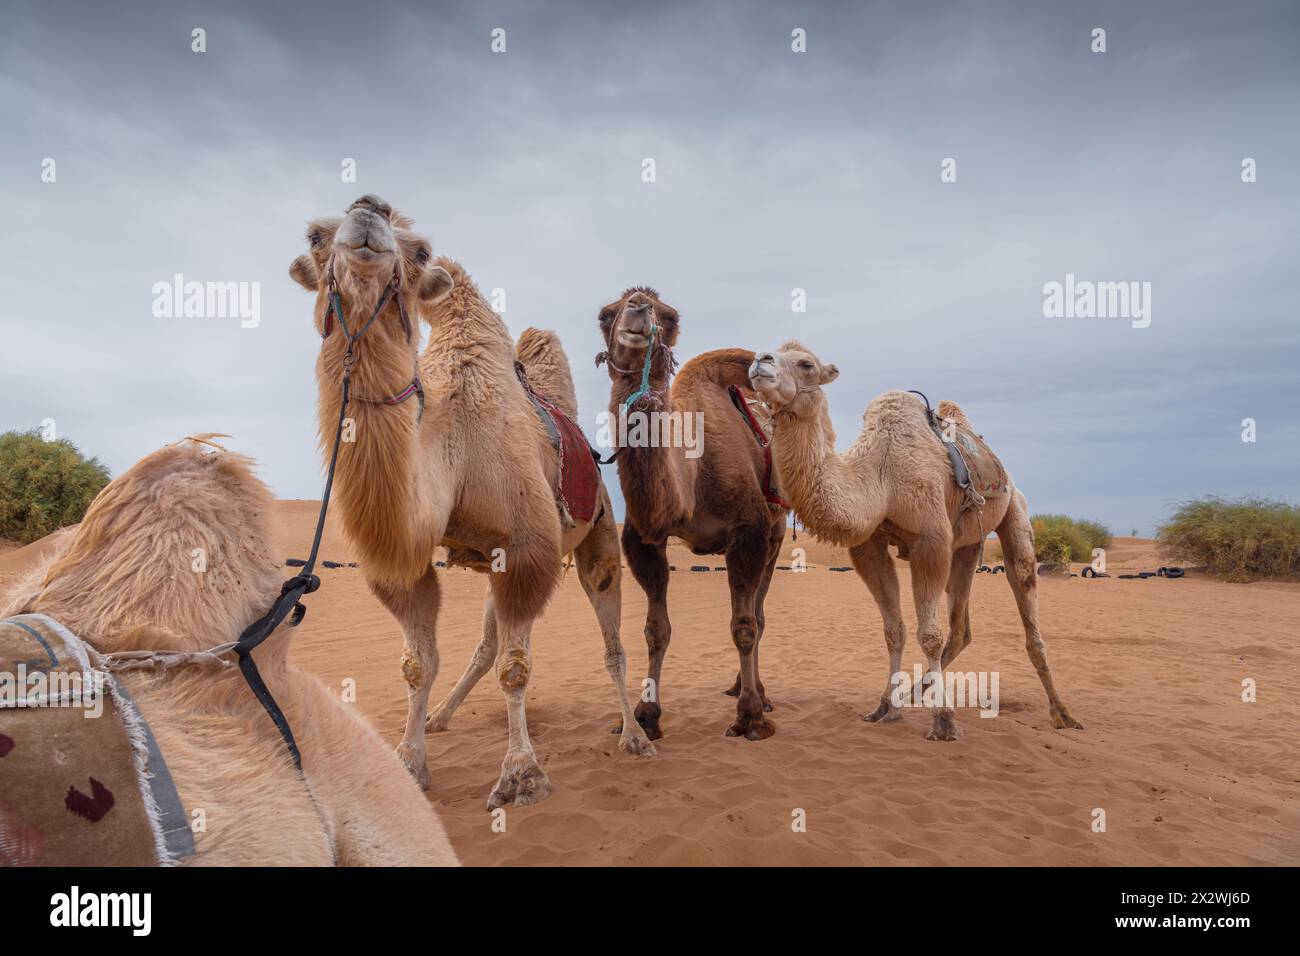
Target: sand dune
(1186,772)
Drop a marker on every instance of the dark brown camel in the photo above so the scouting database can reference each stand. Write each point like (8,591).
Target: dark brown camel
(711,495)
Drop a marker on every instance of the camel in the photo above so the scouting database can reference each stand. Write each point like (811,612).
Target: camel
(896,486)
(124,582)
(717,502)
(470,466)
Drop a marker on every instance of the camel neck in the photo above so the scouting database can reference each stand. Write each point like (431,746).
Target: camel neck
(658,481)
(827,495)
(375,480)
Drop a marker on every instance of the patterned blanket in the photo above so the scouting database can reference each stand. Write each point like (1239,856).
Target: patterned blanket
(579,474)
(82,782)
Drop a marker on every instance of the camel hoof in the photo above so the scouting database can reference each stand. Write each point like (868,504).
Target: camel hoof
(883,715)
(647,715)
(944,727)
(1062,720)
(417,767)
(752,728)
(522,783)
(734,690)
(437,722)
(636,743)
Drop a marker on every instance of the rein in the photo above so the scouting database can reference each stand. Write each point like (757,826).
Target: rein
(305,582)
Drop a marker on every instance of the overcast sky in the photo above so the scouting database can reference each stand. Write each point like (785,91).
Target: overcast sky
(775,170)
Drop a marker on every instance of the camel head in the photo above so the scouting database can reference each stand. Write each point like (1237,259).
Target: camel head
(174,555)
(627,324)
(361,252)
(791,379)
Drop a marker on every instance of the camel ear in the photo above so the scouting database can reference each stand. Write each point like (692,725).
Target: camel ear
(830,373)
(303,271)
(436,285)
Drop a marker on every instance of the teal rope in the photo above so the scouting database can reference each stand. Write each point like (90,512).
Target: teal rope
(645,369)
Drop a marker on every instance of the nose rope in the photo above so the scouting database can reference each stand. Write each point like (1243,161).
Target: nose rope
(645,369)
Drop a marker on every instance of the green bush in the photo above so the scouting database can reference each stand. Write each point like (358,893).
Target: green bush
(44,485)
(1059,539)
(1239,539)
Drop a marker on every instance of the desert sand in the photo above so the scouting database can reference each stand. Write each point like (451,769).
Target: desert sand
(1185,771)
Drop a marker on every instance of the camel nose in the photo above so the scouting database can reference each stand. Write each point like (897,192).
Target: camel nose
(767,357)
(637,307)
(374,204)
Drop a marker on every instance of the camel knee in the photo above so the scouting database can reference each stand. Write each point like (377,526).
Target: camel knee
(744,632)
(512,671)
(932,643)
(657,638)
(419,666)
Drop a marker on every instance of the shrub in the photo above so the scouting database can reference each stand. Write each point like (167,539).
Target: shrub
(44,485)
(1239,539)
(1059,539)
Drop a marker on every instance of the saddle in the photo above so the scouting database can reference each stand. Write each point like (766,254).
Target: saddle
(975,469)
(579,484)
(82,781)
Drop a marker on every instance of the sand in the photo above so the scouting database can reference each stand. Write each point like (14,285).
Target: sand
(1185,772)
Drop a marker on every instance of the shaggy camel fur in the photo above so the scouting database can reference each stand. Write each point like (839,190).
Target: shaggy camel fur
(477,473)
(714,502)
(124,582)
(895,486)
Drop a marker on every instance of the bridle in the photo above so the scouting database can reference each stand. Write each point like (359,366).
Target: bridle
(335,308)
(306,582)
(655,345)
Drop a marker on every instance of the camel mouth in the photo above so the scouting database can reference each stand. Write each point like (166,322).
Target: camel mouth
(634,340)
(366,253)
(762,374)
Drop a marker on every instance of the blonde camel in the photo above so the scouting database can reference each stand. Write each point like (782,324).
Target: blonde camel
(895,486)
(469,465)
(716,501)
(124,582)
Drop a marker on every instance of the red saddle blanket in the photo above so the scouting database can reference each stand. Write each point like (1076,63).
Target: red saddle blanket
(579,475)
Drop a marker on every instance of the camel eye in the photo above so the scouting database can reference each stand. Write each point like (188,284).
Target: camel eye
(314,239)
(806,366)
(422,256)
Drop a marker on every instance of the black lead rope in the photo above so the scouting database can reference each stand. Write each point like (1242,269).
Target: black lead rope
(305,582)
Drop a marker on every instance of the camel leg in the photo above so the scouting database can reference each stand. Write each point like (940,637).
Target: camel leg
(930,558)
(479,664)
(649,565)
(1017,537)
(416,610)
(774,542)
(600,569)
(522,781)
(960,577)
(874,565)
(746,558)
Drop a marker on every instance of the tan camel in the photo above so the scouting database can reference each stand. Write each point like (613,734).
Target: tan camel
(895,486)
(124,582)
(474,470)
(717,501)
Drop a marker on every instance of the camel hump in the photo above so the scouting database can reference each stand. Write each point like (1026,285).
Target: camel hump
(547,366)
(952,411)
(722,367)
